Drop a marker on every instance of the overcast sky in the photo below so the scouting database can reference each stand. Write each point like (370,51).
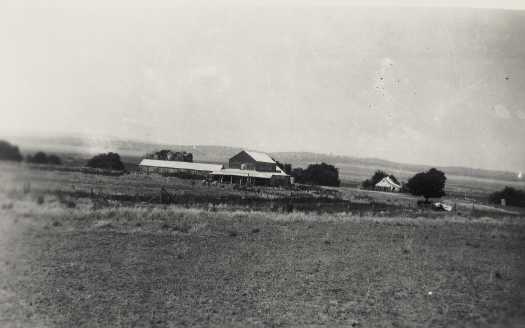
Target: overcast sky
(430,84)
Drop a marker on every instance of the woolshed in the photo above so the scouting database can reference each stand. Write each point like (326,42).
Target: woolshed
(252,168)
(178,167)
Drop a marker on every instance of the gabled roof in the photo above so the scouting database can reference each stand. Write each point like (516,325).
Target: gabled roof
(260,157)
(387,182)
(181,165)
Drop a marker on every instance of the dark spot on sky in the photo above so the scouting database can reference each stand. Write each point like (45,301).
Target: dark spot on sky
(507,78)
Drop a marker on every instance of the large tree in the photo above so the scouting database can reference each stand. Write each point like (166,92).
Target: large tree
(512,196)
(430,184)
(9,152)
(109,161)
(319,174)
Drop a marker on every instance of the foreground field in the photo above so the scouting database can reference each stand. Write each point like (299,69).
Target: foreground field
(163,266)
(116,257)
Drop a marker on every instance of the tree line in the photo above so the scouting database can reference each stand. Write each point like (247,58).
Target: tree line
(9,152)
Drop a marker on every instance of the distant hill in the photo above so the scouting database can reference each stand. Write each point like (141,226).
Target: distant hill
(352,169)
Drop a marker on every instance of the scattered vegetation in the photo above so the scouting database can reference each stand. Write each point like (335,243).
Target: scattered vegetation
(43,158)
(9,152)
(430,184)
(378,176)
(109,161)
(318,174)
(512,196)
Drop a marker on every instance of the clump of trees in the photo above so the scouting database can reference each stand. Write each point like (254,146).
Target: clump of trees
(43,158)
(168,155)
(378,176)
(319,174)
(430,184)
(9,152)
(512,196)
(109,161)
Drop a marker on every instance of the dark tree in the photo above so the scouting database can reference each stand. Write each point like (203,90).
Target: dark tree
(428,184)
(378,176)
(298,174)
(54,160)
(38,158)
(319,174)
(109,161)
(43,158)
(9,152)
(513,197)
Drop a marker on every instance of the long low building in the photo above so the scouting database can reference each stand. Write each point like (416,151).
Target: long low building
(174,167)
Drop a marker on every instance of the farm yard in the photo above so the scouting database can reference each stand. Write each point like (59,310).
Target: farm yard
(76,252)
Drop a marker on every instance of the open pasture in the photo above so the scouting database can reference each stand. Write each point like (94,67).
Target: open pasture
(66,262)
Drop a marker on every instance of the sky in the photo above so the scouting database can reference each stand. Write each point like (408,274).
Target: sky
(426,82)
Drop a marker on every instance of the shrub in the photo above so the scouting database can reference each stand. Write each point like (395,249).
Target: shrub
(43,158)
(512,196)
(109,161)
(9,152)
(54,160)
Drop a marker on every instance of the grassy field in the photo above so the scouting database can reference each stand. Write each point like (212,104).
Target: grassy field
(69,261)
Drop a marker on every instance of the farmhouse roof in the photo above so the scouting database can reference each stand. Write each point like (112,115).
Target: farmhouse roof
(387,182)
(181,165)
(260,157)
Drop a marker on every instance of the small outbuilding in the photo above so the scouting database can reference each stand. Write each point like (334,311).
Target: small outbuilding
(387,184)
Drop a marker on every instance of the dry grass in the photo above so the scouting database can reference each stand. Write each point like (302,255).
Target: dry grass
(172,266)
(74,262)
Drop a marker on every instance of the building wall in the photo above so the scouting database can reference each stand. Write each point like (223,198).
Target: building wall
(244,161)
(265,167)
(241,158)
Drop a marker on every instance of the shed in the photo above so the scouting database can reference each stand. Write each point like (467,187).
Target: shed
(387,184)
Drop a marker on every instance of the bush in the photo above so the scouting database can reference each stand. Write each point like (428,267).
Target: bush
(319,174)
(54,160)
(513,197)
(43,158)
(109,161)
(427,184)
(9,152)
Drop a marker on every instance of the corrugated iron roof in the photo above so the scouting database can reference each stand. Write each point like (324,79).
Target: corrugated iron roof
(260,157)
(248,173)
(181,165)
(387,182)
